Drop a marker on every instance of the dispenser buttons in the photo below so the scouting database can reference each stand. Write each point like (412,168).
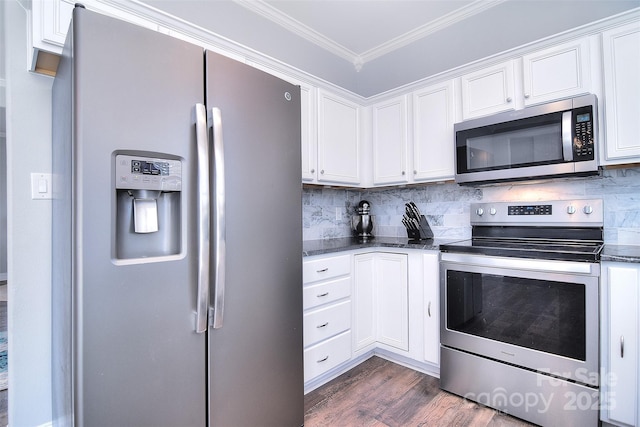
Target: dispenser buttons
(41,186)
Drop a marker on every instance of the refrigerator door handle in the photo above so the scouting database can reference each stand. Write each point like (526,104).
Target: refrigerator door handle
(219,245)
(204,219)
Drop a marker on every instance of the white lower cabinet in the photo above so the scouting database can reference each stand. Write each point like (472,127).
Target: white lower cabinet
(326,355)
(327,313)
(370,302)
(381,300)
(392,300)
(431,287)
(620,357)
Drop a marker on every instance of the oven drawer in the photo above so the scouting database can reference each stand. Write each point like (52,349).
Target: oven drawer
(326,355)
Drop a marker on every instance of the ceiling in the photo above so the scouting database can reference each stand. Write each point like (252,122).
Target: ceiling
(371,46)
(362,30)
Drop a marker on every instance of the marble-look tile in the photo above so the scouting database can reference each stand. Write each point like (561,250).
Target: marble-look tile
(446,206)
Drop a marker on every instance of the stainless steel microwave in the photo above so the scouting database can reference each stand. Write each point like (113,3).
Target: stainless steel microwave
(542,141)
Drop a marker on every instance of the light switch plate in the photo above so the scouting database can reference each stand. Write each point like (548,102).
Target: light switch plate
(41,186)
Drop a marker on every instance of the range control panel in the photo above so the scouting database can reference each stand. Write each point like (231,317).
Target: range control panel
(530,210)
(588,212)
(147,173)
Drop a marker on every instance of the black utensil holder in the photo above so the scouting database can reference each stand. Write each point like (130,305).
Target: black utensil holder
(424,231)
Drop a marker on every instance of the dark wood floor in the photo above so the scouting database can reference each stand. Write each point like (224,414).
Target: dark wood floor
(379,393)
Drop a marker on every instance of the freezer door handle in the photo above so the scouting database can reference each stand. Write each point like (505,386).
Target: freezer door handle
(204,219)
(219,245)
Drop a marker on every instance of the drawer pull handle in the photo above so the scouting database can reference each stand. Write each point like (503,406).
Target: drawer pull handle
(324,359)
(323,270)
(324,325)
(322,295)
(622,346)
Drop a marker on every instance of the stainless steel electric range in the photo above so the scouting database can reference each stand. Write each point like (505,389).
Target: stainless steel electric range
(520,313)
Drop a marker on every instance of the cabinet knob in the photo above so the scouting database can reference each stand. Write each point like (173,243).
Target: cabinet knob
(509,99)
(322,171)
(415,172)
(313,171)
(526,95)
(403,173)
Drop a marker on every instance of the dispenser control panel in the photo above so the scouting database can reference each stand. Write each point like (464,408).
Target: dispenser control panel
(148,173)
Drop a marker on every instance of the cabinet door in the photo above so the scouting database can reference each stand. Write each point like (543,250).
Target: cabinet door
(623,330)
(621,53)
(363,327)
(433,139)
(392,300)
(309,136)
(488,91)
(338,140)
(432,308)
(558,72)
(390,142)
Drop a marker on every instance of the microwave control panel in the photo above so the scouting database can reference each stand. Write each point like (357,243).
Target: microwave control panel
(583,134)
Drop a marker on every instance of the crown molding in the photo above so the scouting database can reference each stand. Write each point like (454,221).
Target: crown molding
(271,13)
(359,59)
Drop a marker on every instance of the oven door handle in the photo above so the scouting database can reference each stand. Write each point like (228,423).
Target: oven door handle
(521,263)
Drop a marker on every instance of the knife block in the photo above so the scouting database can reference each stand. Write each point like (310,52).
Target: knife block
(424,231)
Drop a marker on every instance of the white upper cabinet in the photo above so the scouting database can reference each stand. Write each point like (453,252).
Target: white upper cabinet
(309,135)
(50,23)
(433,139)
(558,72)
(621,54)
(338,140)
(487,91)
(549,74)
(390,142)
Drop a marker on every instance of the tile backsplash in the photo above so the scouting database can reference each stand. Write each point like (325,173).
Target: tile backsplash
(327,211)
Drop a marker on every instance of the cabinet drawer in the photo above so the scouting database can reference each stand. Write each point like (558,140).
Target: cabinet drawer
(325,268)
(326,322)
(325,292)
(329,354)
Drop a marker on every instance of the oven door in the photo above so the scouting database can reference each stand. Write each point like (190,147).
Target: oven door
(538,314)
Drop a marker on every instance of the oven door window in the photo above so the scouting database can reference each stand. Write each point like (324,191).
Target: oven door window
(538,314)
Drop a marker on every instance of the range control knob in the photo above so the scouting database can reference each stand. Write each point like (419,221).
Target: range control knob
(493,211)
(571,209)
(479,211)
(588,209)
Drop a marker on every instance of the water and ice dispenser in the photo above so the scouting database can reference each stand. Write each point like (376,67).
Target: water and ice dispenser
(148,193)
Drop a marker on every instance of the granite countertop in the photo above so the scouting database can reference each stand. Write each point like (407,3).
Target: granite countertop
(620,253)
(325,246)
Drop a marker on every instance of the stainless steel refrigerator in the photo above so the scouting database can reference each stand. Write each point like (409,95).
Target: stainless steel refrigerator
(177,233)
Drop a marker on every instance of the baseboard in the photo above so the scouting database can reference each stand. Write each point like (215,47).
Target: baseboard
(321,380)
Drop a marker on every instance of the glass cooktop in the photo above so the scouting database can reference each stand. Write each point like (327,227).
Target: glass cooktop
(588,251)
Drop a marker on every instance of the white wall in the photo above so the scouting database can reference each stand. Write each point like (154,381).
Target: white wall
(29,229)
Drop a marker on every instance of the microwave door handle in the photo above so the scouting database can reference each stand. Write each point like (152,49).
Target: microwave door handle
(202,149)
(567,145)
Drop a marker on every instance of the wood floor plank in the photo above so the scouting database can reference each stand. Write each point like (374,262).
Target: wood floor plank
(380,393)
